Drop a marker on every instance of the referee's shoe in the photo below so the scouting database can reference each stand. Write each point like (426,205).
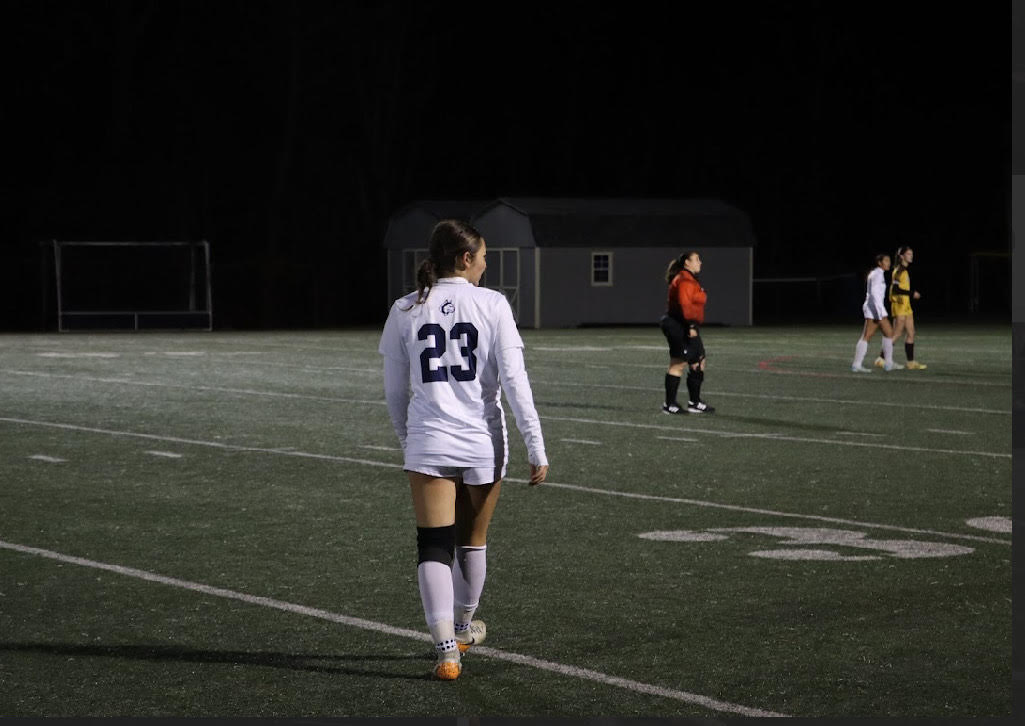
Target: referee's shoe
(699,407)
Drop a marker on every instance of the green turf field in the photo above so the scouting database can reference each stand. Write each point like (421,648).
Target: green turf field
(217,524)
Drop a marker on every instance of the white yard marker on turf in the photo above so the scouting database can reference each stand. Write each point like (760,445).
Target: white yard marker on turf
(767,512)
(948,431)
(582,441)
(677,438)
(380,448)
(49,459)
(526,660)
(167,454)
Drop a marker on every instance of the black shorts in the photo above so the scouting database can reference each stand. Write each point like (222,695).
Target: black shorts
(681,344)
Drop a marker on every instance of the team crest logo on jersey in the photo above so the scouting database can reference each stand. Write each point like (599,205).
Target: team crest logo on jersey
(447,308)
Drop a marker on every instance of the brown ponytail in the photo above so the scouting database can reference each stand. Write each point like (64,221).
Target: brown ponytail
(449,240)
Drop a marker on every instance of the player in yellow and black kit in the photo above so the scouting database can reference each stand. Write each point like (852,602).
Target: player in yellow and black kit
(901,296)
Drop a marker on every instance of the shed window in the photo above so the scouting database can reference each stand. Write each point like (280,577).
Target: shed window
(601,268)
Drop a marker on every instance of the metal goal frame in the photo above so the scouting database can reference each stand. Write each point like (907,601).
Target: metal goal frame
(139,317)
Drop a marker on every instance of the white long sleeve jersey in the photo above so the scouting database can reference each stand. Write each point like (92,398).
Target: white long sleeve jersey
(455,352)
(875,290)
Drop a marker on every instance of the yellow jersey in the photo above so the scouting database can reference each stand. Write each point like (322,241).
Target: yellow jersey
(900,293)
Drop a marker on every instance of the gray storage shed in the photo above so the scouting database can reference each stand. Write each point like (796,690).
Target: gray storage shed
(572,262)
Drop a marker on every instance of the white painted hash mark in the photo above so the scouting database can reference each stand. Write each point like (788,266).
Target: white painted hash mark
(676,438)
(381,448)
(50,459)
(814,555)
(561,668)
(78,355)
(168,454)
(948,431)
(991,524)
(582,441)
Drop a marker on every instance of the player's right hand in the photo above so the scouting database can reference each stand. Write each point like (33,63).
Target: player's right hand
(537,474)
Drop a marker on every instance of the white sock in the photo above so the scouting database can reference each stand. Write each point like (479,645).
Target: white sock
(468,572)
(888,350)
(436,595)
(859,352)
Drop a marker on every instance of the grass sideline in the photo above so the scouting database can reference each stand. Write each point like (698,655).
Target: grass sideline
(685,559)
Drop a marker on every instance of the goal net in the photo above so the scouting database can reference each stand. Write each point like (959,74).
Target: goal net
(132,285)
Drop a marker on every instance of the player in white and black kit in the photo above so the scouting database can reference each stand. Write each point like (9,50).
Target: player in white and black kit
(456,346)
(874,310)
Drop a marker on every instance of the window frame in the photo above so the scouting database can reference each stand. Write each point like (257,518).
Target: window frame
(594,257)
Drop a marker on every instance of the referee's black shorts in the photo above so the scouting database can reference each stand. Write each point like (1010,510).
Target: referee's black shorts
(681,345)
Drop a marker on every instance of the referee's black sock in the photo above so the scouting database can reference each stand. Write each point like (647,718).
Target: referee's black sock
(672,385)
(694,388)
(909,351)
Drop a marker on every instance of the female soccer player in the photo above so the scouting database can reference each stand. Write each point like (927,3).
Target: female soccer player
(901,296)
(875,318)
(452,342)
(685,311)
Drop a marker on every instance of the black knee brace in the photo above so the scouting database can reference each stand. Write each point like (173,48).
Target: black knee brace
(436,544)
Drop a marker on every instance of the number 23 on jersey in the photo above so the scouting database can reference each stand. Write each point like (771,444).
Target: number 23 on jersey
(466,370)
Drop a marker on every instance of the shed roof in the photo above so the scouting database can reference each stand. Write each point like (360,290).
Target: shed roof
(579,222)
(411,224)
(571,222)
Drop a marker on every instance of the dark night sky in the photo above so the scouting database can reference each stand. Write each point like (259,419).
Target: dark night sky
(287,132)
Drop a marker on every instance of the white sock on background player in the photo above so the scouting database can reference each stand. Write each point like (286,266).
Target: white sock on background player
(888,350)
(859,351)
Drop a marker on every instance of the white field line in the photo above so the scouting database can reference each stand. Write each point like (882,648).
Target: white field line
(156,384)
(300,344)
(846,375)
(363,624)
(677,438)
(193,387)
(582,441)
(196,442)
(811,399)
(273,364)
(948,431)
(48,459)
(774,437)
(389,465)
(166,454)
(329,369)
(777,437)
